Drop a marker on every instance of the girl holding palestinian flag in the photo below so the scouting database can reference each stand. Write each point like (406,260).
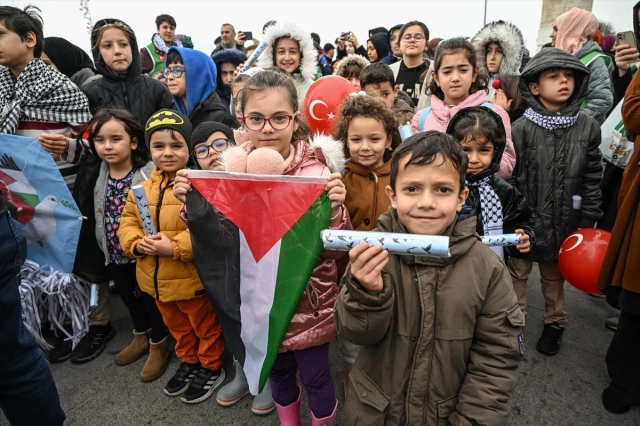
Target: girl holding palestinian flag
(269,109)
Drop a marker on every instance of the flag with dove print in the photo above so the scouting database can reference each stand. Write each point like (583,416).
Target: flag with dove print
(51,220)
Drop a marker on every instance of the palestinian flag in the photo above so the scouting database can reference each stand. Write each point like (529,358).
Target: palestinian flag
(256,240)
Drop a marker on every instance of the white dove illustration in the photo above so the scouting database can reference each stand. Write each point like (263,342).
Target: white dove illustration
(43,224)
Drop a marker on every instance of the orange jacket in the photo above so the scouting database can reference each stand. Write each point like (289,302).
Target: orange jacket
(168,279)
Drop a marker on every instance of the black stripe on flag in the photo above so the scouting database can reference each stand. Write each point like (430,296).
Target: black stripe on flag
(216,254)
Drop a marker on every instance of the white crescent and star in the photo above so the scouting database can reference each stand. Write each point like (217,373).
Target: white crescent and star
(330,116)
(579,238)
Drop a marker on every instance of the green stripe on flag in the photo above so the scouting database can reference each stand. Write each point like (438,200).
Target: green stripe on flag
(300,250)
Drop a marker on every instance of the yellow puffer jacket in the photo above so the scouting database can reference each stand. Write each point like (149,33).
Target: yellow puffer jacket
(168,279)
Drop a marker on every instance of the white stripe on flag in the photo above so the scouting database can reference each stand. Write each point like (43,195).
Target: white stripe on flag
(257,288)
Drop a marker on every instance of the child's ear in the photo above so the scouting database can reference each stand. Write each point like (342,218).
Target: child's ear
(389,140)
(395,90)
(462,197)
(535,90)
(434,76)
(296,117)
(475,74)
(392,196)
(134,142)
(31,40)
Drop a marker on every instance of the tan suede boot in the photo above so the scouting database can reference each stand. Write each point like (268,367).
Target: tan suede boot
(159,356)
(138,347)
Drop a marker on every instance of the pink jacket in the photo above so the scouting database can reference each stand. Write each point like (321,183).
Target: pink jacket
(441,114)
(313,324)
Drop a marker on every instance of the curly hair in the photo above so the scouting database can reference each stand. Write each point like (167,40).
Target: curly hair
(367,107)
(449,47)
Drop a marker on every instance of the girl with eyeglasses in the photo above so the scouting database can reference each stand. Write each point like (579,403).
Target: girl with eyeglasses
(208,142)
(269,108)
(411,72)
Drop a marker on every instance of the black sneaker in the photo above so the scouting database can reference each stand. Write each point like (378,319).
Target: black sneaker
(92,344)
(549,342)
(180,381)
(61,350)
(203,385)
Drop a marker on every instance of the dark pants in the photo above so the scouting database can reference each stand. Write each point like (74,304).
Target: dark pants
(28,394)
(610,187)
(142,307)
(313,364)
(623,358)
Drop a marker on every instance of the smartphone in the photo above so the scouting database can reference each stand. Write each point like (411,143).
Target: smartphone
(248,35)
(626,37)
(346,36)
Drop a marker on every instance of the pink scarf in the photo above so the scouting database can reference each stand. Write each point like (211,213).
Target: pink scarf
(575,27)
(441,113)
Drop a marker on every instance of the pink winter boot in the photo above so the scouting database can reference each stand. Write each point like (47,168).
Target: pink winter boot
(290,415)
(326,421)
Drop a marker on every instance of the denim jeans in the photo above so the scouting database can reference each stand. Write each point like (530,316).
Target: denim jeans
(28,394)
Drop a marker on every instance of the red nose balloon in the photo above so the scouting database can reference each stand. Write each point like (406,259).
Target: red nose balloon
(323,100)
(581,257)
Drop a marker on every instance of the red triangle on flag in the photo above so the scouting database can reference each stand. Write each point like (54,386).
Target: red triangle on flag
(264,210)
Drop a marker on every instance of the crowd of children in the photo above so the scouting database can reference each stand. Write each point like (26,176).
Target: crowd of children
(425,339)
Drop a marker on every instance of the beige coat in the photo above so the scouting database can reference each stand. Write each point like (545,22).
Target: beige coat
(439,343)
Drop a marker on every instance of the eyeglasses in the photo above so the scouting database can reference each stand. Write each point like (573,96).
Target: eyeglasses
(175,71)
(416,37)
(278,122)
(218,145)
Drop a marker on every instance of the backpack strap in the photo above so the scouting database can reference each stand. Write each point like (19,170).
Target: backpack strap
(589,58)
(422,119)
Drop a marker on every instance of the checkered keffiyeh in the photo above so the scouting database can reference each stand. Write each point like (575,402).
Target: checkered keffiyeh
(40,93)
(491,209)
(550,122)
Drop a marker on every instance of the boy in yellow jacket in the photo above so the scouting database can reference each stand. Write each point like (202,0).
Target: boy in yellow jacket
(165,266)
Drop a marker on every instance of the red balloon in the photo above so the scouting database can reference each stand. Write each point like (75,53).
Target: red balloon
(323,100)
(581,257)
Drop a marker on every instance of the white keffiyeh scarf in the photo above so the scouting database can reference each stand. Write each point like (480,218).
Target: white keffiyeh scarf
(161,45)
(40,93)
(491,209)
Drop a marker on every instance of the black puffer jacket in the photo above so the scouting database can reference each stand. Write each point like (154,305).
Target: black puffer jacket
(516,213)
(213,110)
(553,166)
(139,94)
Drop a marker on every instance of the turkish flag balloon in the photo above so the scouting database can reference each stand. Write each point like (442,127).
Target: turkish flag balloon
(581,257)
(323,100)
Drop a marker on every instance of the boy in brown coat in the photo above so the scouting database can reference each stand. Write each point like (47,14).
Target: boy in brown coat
(441,337)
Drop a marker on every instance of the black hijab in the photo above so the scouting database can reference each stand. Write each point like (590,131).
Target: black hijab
(379,42)
(66,56)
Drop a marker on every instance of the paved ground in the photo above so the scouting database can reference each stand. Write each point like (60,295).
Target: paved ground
(563,390)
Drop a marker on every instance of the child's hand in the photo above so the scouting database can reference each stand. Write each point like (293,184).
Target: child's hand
(238,70)
(337,192)
(525,244)
(366,266)
(158,245)
(54,143)
(181,186)
(500,98)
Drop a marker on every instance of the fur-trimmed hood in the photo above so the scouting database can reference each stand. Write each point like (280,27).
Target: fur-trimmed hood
(510,39)
(309,61)
(351,60)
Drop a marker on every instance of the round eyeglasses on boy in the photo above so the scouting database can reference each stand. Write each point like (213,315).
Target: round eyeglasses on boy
(218,145)
(175,71)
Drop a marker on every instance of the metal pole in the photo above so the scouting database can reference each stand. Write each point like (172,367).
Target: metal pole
(485,12)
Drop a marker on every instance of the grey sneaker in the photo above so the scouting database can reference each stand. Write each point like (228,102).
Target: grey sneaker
(231,393)
(263,404)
